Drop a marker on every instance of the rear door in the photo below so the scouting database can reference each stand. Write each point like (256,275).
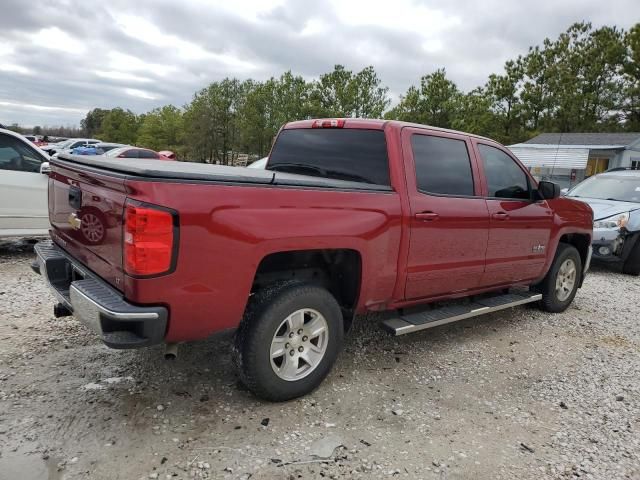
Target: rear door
(520,225)
(449,225)
(23,189)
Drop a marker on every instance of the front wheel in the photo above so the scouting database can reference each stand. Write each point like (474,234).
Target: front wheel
(288,340)
(560,285)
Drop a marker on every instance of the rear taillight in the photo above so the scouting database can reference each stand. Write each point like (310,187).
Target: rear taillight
(335,123)
(149,239)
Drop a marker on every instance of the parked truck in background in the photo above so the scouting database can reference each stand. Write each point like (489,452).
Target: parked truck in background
(349,216)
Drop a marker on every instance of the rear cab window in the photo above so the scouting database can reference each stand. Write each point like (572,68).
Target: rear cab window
(351,154)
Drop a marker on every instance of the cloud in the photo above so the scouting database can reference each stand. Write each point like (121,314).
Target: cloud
(74,55)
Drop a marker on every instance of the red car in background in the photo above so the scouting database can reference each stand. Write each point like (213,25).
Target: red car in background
(38,142)
(168,153)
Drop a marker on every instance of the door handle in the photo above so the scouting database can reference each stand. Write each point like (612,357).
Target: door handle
(427,216)
(500,216)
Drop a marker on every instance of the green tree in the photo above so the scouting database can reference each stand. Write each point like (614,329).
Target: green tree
(341,93)
(435,103)
(631,71)
(503,90)
(119,126)
(162,129)
(91,124)
(583,71)
(15,127)
(212,127)
(268,106)
(474,114)
(370,98)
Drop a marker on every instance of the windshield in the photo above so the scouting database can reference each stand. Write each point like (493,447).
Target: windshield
(624,189)
(66,143)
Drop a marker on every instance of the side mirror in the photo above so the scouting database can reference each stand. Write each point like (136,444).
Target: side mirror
(45,168)
(548,190)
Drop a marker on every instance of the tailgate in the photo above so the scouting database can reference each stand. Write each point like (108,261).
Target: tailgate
(86,213)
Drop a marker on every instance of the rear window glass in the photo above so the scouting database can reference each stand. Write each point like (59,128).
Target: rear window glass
(342,154)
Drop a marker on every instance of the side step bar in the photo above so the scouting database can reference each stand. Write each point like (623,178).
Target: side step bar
(452,313)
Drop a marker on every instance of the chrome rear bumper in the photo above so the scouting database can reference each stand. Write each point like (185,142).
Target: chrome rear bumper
(95,303)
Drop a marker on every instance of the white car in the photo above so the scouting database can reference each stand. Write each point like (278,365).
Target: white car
(24,175)
(68,145)
(262,163)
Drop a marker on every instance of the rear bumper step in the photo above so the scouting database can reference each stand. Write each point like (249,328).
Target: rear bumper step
(100,307)
(452,313)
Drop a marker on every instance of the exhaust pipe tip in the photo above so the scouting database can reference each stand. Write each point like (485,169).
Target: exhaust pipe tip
(171,351)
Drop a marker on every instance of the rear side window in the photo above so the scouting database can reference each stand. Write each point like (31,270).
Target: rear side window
(505,179)
(342,154)
(442,165)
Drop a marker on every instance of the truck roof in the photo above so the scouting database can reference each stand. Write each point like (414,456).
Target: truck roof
(378,124)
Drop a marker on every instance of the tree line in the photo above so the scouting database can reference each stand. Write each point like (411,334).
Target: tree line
(588,79)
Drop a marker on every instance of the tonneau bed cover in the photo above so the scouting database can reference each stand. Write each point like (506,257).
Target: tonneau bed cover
(186,171)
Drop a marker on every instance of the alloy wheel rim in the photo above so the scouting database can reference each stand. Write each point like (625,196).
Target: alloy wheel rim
(566,279)
(299,344)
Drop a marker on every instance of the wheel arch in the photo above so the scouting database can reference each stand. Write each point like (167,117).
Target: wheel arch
(581,241)
(339,270)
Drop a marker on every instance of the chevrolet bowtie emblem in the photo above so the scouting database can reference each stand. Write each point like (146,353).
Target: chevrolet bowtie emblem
(74,221)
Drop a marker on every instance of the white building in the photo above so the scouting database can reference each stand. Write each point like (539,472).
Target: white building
(568,158)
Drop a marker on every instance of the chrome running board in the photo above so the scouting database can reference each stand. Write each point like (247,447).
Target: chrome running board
(452,313)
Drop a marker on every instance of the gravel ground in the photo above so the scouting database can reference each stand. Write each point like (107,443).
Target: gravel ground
(516,394)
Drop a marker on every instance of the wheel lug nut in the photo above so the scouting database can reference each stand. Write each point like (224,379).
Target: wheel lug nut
(292,353)
(291,335)
(286,345)
(300,332)
(305,338)
(300,349)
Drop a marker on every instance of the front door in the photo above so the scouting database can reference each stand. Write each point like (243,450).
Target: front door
(449,224)
(23,189)
(520,225)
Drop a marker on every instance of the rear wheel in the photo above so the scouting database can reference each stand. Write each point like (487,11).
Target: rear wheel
(632,265)
(288,340)
(560,285)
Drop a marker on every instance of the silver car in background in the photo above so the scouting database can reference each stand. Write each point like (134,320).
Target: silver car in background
(614,197)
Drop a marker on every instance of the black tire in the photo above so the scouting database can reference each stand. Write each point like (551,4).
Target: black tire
(550,301)
(632,264)
(267,310)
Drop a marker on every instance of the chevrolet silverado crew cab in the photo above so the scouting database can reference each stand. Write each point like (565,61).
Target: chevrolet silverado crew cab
(350,216)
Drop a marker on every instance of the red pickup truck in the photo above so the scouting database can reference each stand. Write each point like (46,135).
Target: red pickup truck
(350,216)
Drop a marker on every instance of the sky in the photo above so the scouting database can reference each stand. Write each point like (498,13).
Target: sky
(59,59)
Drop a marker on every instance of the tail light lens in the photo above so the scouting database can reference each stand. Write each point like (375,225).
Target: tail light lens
(149,239)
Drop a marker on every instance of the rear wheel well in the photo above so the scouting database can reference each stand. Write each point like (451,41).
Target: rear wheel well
(337,270)
(580,241)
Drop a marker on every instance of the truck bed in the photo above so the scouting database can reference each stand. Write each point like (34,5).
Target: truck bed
(189,171)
